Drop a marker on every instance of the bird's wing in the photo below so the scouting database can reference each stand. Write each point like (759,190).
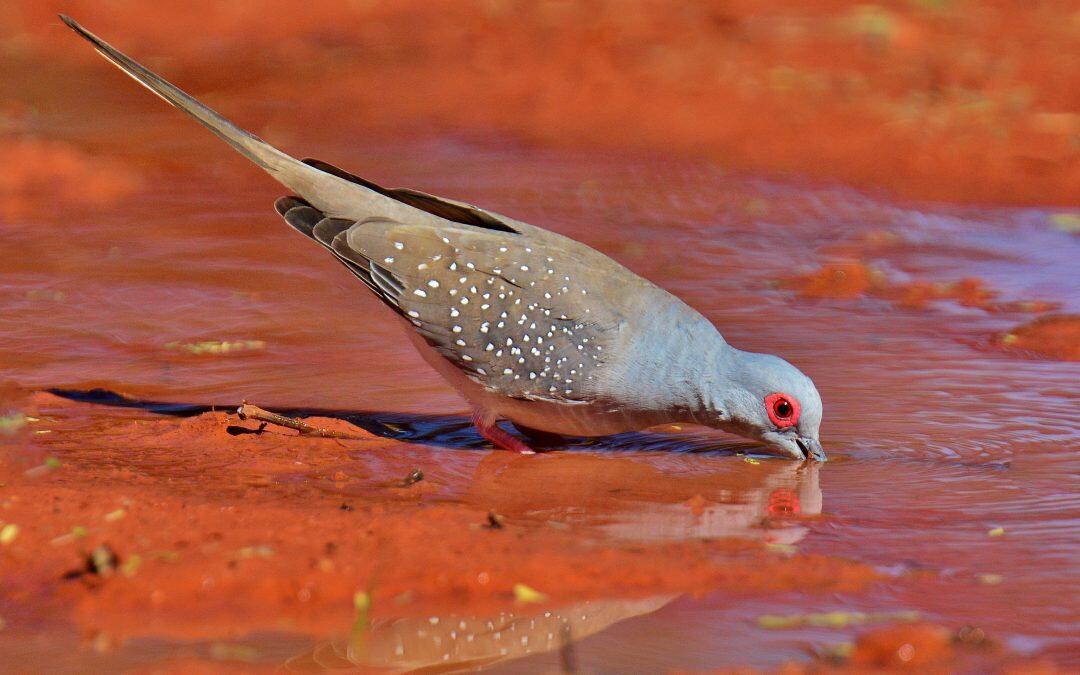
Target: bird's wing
(513,318)
(449,209)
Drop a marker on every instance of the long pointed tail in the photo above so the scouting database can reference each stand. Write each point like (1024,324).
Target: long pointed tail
(330,194)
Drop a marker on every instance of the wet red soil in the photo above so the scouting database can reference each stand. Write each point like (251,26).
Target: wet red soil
(220,534)
(138,256)
(206,528)
(40,172)
(1053,336)
(852,280)
(298,526)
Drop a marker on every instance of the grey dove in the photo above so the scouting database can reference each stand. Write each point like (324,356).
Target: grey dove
(526,324)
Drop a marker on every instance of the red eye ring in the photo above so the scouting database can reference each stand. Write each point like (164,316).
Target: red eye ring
(783,410)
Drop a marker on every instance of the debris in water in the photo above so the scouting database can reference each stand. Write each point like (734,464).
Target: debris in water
(361,601)
(101,562)
(11,423)
(415,477)
(260,551)
(8,533)
(44,295)
(1066,222)
(42,469)
(216,347)
(494,521)
(248,411)
(131,565)
(523,593)
(783,549)
(113,516)
(973,637)
(358,639)
(839,619)
(77,532)
(996,532)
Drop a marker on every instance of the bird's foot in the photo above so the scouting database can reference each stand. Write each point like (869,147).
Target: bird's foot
(500,437)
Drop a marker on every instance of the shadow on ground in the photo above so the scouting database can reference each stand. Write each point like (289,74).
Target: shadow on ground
(455,431)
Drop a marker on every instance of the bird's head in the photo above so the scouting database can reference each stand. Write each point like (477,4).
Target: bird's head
(764,397)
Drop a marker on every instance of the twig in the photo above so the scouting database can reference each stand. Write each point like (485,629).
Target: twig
(248,411)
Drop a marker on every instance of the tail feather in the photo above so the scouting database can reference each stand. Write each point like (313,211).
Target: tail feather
(325,191)
(299,214)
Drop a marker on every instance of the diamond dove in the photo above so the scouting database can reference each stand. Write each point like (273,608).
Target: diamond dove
(526,324)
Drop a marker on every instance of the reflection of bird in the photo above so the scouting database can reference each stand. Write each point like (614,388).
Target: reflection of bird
(456,643)
(623,498)
(526,324)
(631,500)
(766,512)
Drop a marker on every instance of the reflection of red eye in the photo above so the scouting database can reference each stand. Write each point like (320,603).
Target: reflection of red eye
(783,502)
(783,410)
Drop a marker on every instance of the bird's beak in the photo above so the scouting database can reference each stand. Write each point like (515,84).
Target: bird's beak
(811,448)
(794,446)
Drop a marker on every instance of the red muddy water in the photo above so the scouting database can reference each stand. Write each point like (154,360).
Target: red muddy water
(148,288)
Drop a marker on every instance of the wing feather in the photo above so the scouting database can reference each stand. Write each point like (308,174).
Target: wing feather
(511,318)
(516,319)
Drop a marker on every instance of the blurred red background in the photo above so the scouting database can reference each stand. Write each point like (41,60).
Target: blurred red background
(935,99)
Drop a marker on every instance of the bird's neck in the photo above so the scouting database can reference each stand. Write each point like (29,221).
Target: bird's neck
(705,393)
(678,369)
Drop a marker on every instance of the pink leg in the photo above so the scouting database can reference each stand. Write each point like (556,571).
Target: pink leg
(485,424)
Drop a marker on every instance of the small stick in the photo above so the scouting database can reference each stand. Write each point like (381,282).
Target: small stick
(248,411)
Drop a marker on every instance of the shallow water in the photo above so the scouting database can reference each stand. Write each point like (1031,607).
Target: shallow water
(934,438)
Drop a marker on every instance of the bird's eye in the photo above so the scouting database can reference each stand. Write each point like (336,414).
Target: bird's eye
(783,410)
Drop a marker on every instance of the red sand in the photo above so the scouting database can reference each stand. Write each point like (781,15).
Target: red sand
(851,280)
(939,100)
(1056,336)
(37,173)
